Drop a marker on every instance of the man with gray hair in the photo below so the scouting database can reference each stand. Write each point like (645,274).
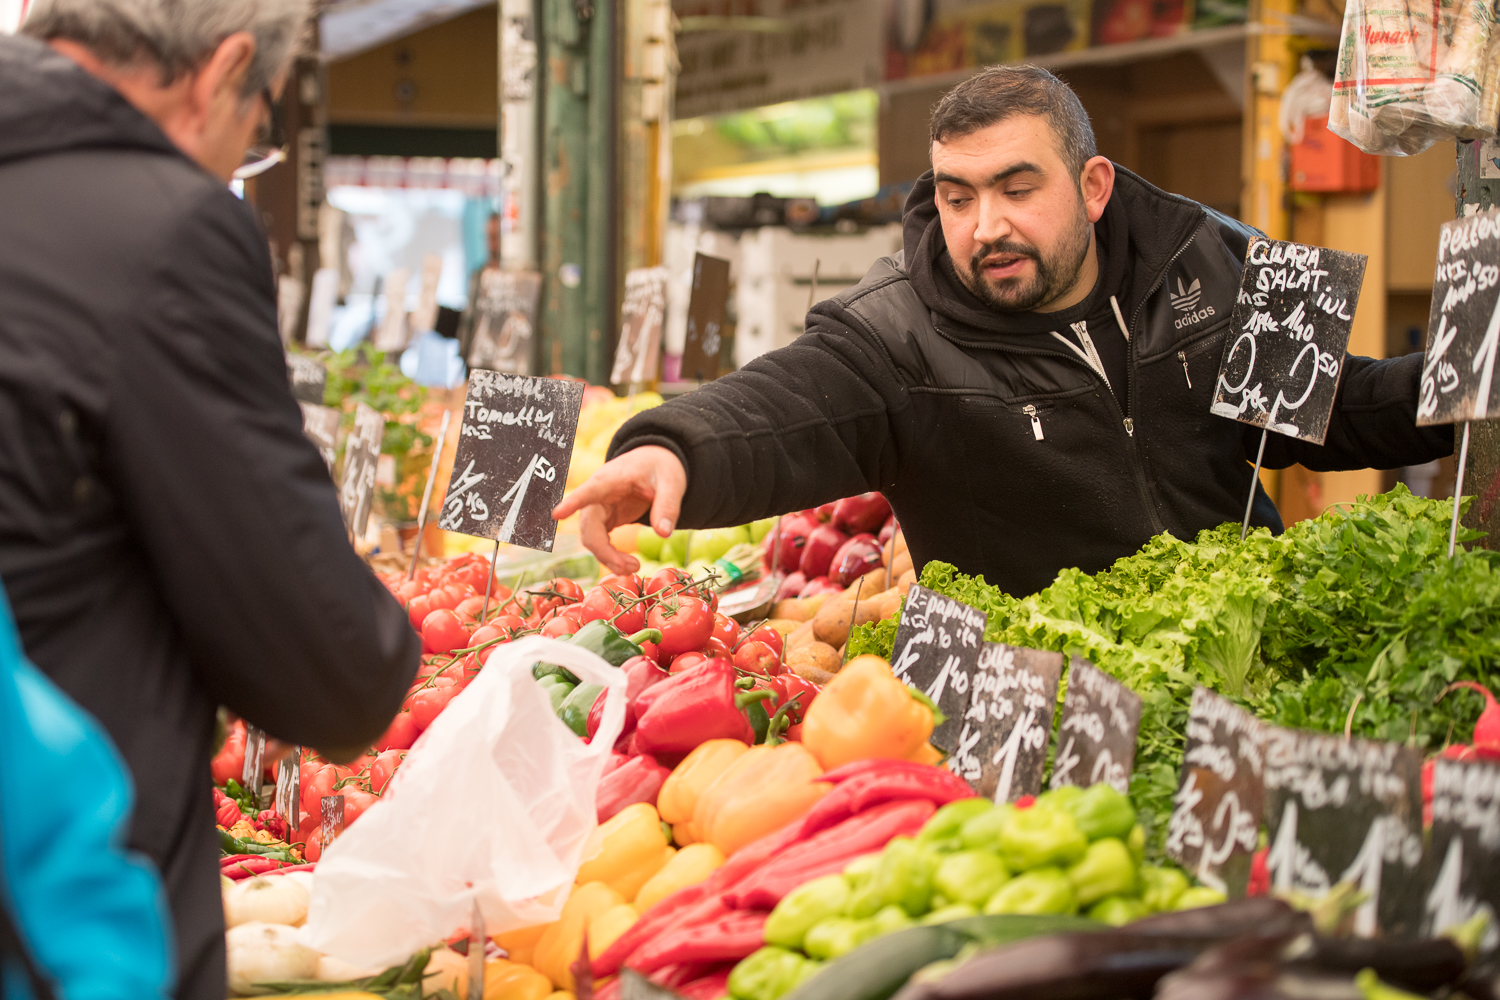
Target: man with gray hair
(169,539)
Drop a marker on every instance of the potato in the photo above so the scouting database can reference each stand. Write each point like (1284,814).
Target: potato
(800,636)
(874,582)
(884,605)
(832,622)
(906,581)
(814,657)
(902,564)
(782,626)
(792,609)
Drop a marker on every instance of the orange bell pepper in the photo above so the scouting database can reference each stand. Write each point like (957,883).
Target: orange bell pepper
(626,850)
(689,866)
(683,834)
(865,712)
(609,925)
(762,791)
(506,980)
(679,795)
(562,944)
(520,945)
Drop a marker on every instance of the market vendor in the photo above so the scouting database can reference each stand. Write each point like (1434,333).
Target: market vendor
(1028,382)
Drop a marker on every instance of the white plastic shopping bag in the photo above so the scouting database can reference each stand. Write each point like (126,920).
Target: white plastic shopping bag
(493,804)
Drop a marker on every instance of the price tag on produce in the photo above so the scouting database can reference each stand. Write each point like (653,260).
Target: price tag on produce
(361,456)
(1463,330)
(504,320)
(708,312)
(251,770)
(1216,819)
(321,426)
(513,454)
(642,314)
(1002,746)
(331,819)
(937,652)
(308,378)
(1347,813)
(289,789)
(1464,866)
(1096,737)
(392,334)
(1287,337)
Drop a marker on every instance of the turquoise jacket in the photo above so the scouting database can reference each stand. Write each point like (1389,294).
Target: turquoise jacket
(92,916)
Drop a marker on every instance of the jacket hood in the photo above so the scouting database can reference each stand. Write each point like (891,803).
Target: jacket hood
(1158,224)
(49,104)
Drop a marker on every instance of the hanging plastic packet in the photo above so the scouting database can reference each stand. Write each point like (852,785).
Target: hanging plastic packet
(1307,96)
(1413,72)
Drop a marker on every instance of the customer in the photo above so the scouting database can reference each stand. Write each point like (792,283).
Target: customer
(169,539)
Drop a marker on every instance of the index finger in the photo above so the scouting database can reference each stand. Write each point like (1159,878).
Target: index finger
(592,491)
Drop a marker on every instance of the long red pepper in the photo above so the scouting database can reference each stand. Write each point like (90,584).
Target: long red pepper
(727,939)
(637,780)
(856,794)
(709,987)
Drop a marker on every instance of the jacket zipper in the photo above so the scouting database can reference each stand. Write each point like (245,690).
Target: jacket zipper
(1182,356)
(1036,425)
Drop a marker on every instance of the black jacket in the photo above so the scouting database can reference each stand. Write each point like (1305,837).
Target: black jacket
(907,385)
(169,540)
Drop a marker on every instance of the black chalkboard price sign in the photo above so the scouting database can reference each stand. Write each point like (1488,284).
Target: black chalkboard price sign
(361,455)
(513,456)
(320,424)
(708,311)
(1464,865)
(308,377)
(1096,737)
(1347,811)
(642,315)
(1002,746)
(1216,819)
(937,652)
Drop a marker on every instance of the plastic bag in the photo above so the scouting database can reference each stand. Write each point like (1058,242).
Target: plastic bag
(494,804)
(1413,72)
(1307,96)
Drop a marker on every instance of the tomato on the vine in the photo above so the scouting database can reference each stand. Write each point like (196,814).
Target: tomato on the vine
(383,768)
(726,629)
(443,632)
(769,636)
(623,583)
(417,611)
(356,801)
(400,734)
(668,582)
(426,704)
(488,633)
(684,622)
(560,626)
(758,658)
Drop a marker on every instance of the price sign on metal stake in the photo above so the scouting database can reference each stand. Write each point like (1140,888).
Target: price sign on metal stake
(1096,737)
(708,313)
(289,788)
(642,314)
(513,453)
(255,750)
(937,652)
(309,378)
(1464,866)
(361,456)
(1002,745)
(320,424)
(1347,811)
(1216,820)
(332,815)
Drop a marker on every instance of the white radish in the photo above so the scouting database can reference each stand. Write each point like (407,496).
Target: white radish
(266,900)
(266,953)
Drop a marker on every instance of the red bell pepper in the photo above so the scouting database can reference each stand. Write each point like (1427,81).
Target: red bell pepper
(709,987)
(641,672)
(693,707)
(637,780)
(726,939)
(828,852)
(854,795)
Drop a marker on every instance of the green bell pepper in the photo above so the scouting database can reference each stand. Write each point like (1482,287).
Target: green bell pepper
(603,639)
(983,831)
(1137,843)
(1117,911)
(1059,797)
(956,911)
(903,877)
(859,871)
(889,919)
(942,831)
(1106,869)
(767,974)
(969,876)
(806,905)
(558,689)
(1160,887)
(1041,836)
(1042,890)
(837,936)
(1100,811)
(1199,895)
(574,710)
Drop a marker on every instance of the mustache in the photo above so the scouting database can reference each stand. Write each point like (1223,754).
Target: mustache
(1003,246)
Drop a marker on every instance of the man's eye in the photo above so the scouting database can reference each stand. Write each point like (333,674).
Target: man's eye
(1018,192)
(957,202)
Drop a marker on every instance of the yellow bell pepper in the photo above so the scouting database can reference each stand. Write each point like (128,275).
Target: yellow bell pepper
(690,866)
(562,943)
(762,791)
(626,851)
(609,925)
(520,945)
(865,712)
(558,995)
(506,980)
(679,795)
(446,970)
(683,834)
(926,754)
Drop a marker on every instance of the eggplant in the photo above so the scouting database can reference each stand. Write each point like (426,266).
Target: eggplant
(1256,916)
(1421,966)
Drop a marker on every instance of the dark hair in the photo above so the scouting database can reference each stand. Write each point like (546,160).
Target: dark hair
(997,93)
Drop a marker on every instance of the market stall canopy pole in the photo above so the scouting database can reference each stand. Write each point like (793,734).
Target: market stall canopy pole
(437,454)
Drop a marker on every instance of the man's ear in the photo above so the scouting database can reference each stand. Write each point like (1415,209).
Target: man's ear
(222,76)
(1096,183)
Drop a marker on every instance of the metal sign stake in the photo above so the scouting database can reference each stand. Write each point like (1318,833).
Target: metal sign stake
(1260,453)
(1458,491)
(437,454)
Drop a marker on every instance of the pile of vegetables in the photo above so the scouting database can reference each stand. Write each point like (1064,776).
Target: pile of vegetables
(1065,852)
(1356,618)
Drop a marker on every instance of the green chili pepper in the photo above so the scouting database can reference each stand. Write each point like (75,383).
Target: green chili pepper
(1041,836)
(231,844)
(767,974)
(969,876)
(804,906)
(1160,887)
(1100,812)
(903,877)
(983,831)
(1117,911)
(942,831)
(575,707)
(1043,890)
(1106,869)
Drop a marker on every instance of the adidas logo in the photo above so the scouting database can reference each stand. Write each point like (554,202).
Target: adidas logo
(1185,299)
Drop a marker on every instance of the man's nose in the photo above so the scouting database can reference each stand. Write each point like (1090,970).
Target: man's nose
(994,220)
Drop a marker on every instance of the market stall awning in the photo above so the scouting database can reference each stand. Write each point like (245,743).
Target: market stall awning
(349,27)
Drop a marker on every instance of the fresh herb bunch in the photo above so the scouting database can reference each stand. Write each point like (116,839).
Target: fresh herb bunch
(362,374)
(1359,608)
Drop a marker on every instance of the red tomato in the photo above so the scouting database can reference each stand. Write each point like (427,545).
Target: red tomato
(384,767)
(230,760)
(316,784)
(409,590)
(769,636)
(560,626)
(470,608)
(686,661)
(356,801)
(443,632)
(718,647)
(443,597)
(400,734)
(726,629)
(758,658)
(652,650)
(426,705)
(669,580)
(619,583)
(488,633)
(570,591)
(685,623)
(598,604)
(417,609)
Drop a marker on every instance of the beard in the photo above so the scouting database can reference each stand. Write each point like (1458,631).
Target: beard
(1056,272)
